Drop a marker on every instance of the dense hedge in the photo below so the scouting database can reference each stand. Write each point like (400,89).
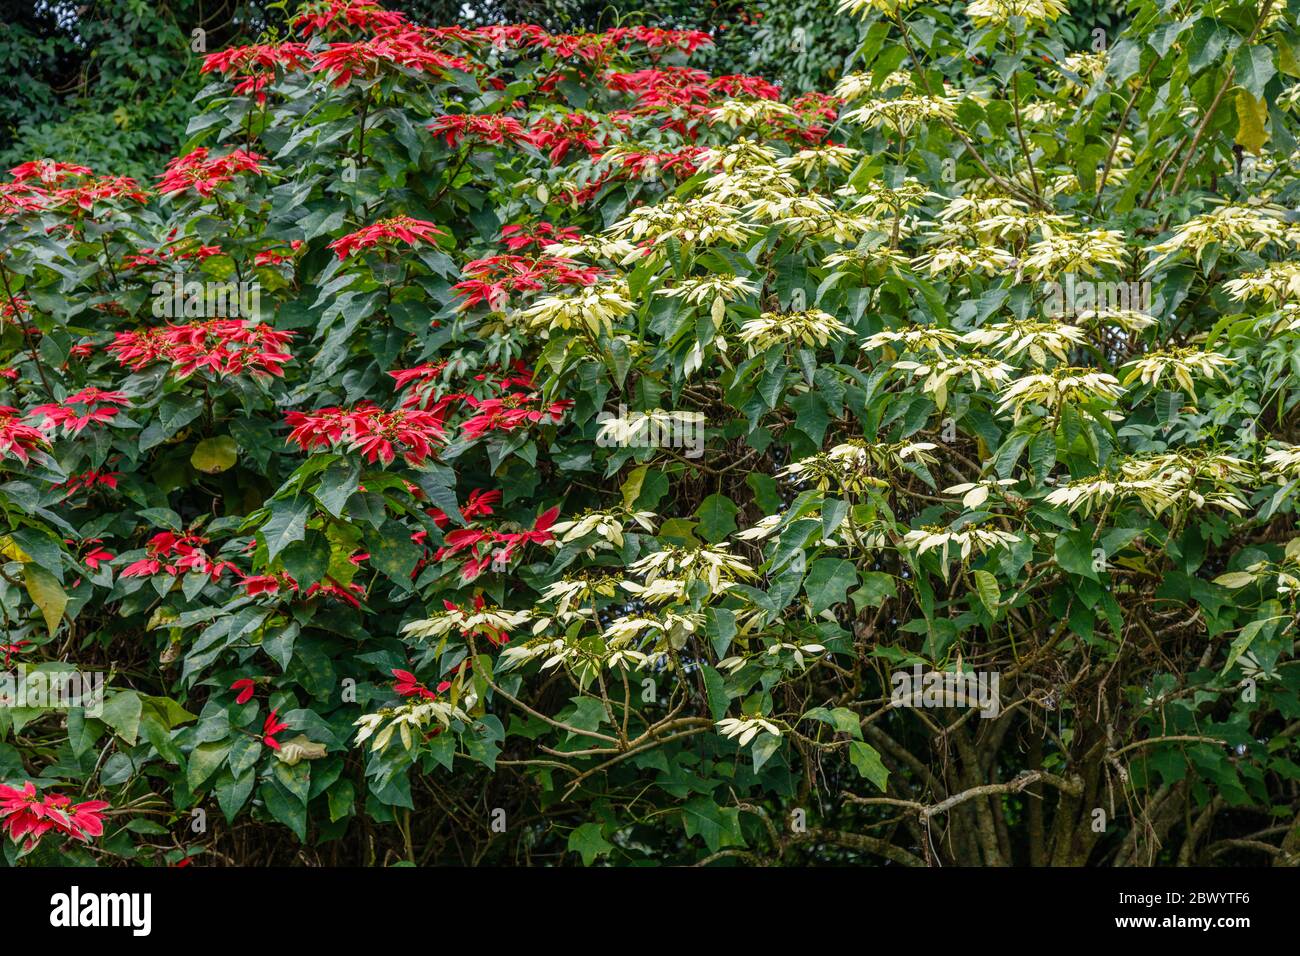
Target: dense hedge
(491,445)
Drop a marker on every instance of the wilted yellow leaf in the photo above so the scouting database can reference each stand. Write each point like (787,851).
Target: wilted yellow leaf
(1251,114)
(46,593)
(299,748)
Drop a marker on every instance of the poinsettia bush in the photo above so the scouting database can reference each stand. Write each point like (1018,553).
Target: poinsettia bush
(496,446)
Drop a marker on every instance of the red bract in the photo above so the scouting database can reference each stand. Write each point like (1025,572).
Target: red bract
(273,257)
(519,236)
(333,16)
(78,410)
(270,727)
(95,556)
(494,278)
(518,376)
(47,172)
(740,84)
(202,173)
(83,196)
(590,47)
(378,434)
(169,255)
(484,546)
(814,105)
(174,554)
(556,134)
(255,584)
(259,57)
(91,479)
(510,35)
(246,687)
(348,595)
(479,503)
(682,162)
(407,685)
(17,198)
(257,64)
(514,540)
(399,228)
(12,649)
(218,346)
(343,61)
(656,38)
(664,86)
(486,128)
(509,413)
(25,814)
(16,438)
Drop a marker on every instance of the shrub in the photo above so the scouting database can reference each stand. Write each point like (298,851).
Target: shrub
(498,446)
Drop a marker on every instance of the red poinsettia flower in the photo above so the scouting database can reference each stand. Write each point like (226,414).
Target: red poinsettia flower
(202,172)
(16,438)
(403,228)
(270,727)
(218,346)
(12,649)
(378,434)
(484,128)
(246,687)
(407,685)
(518,237)
(174,554)
(26,814)
(333,16)
(100,407)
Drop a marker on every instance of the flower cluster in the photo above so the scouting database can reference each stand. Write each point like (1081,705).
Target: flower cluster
(28,816)
(217,346)
(175,554)
(78,410)
(378,434)
(203,172)
(16,437)
(493,279)
(398,228)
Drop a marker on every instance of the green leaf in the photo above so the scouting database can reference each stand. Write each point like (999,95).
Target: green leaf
(215,455)
(122,712)
(285,808)
(287,524)
(204,761)
(828,581)
(715,686)
(631,488)
(338,483)
(717,514)
(841,718)
(718,826)
(866,760)
(986,585)
(1271,617)
(392,552)
(1254,65)
(587,841)
(763,748)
